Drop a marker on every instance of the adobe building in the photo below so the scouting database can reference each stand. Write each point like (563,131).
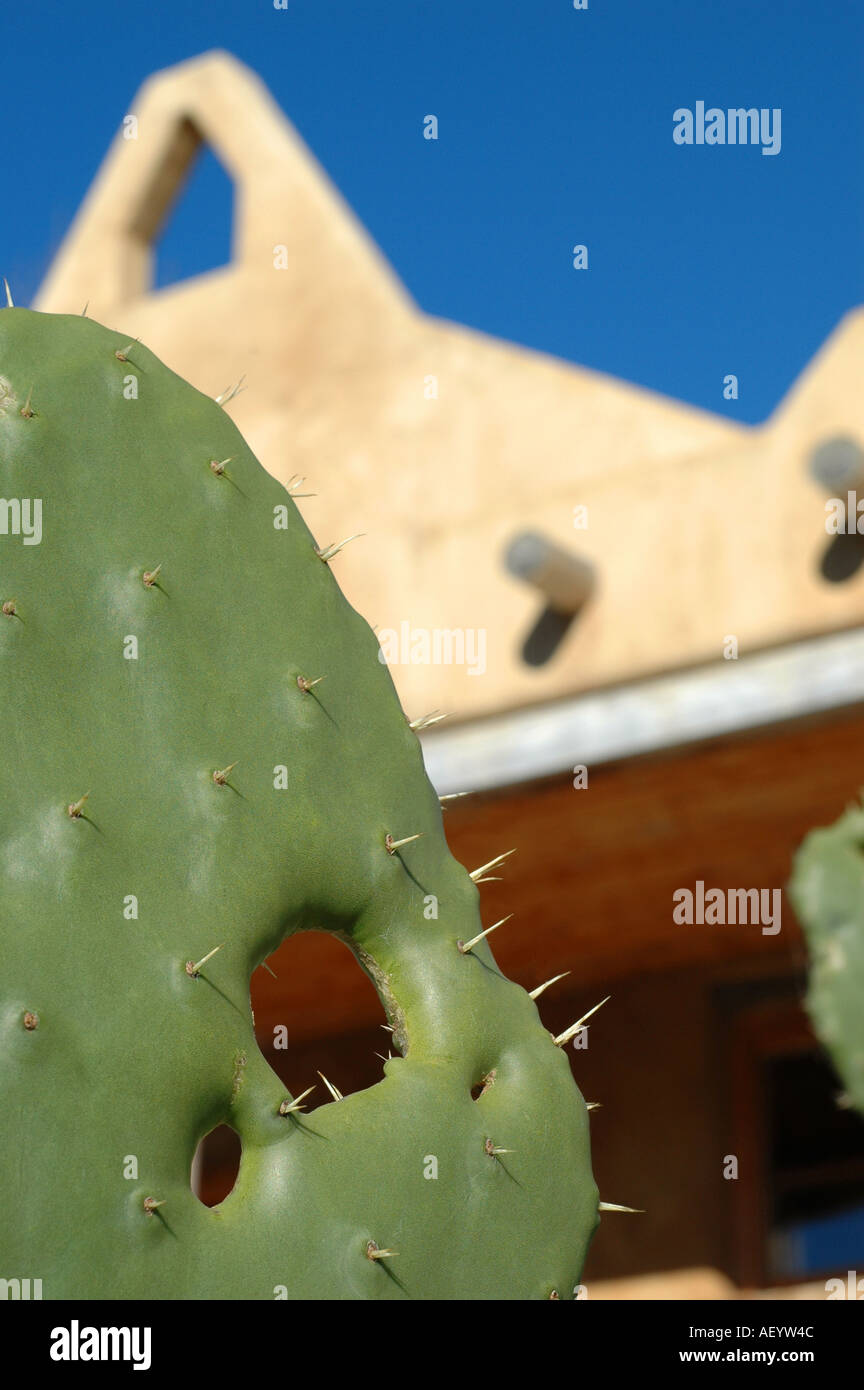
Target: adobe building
(648,646)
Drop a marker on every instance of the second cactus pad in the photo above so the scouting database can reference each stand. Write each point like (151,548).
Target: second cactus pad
(827,891)
(172,783)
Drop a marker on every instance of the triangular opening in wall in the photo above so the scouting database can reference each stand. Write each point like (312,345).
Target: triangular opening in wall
(196,234)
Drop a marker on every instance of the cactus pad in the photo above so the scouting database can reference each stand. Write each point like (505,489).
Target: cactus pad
(827,892)
(177,797)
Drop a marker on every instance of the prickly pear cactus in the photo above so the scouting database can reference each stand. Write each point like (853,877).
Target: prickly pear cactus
(176,796)
(827,892)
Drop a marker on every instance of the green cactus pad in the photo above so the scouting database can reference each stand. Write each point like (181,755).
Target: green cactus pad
(827,892)
(168,786)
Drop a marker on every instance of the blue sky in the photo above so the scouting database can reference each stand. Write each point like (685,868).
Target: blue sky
(555,128)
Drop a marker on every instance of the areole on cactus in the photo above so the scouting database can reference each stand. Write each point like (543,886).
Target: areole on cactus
(179,791)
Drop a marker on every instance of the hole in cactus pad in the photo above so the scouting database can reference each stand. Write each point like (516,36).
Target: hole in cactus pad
(321,1013)
(482,1086)
(216,1165)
